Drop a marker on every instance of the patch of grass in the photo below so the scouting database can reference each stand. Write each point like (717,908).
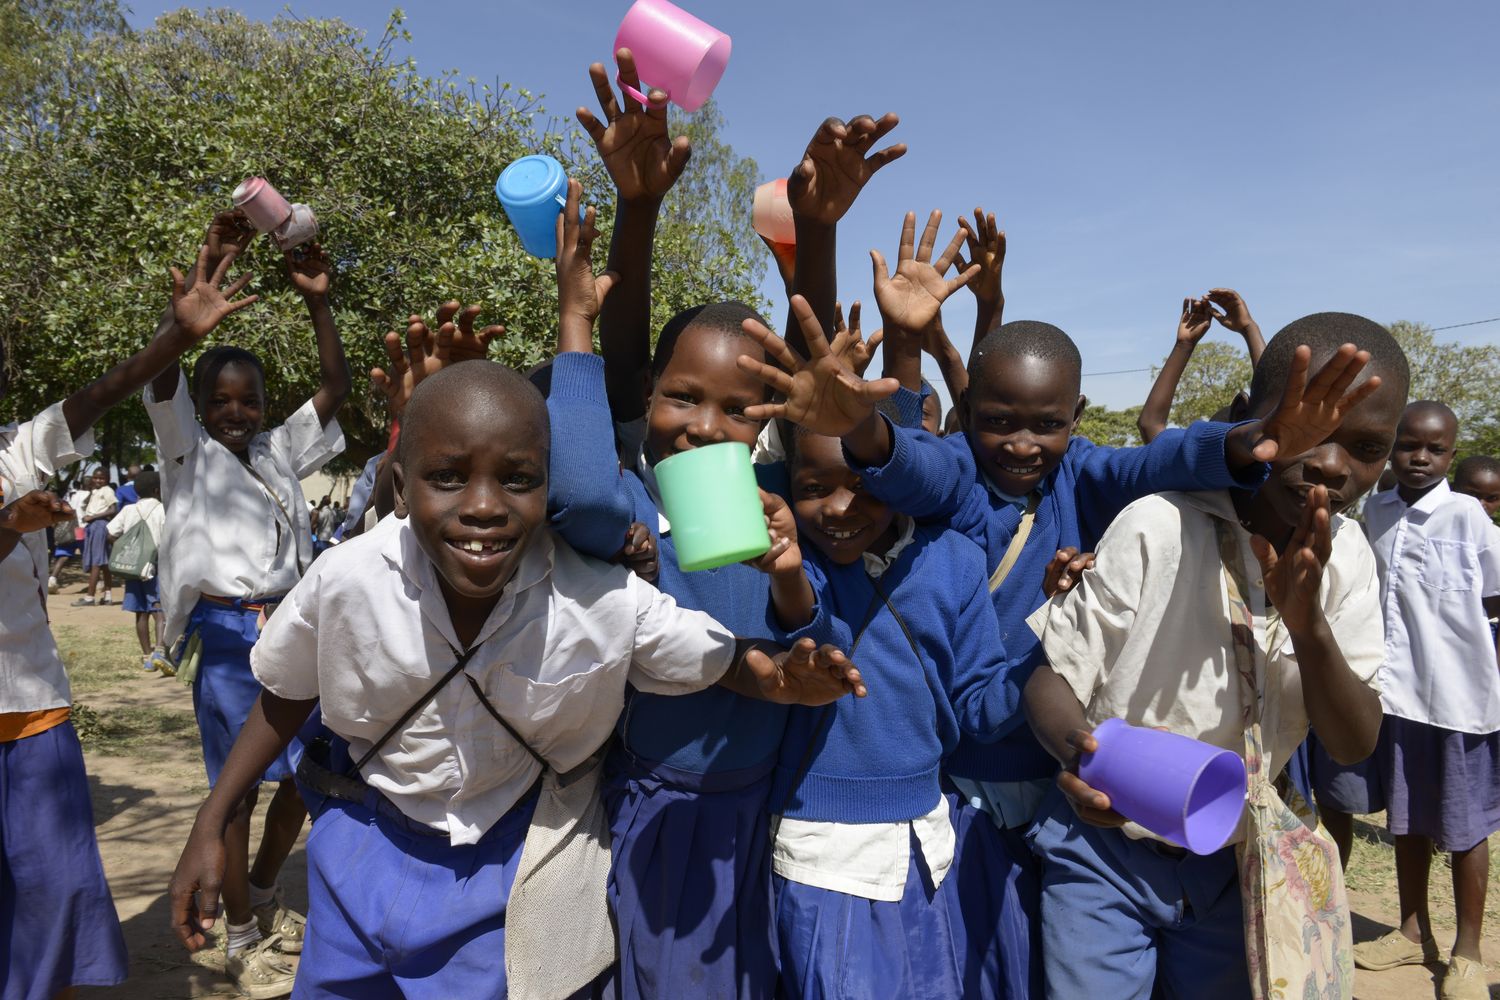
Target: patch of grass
(1372,870)
(102,658)
(132,731)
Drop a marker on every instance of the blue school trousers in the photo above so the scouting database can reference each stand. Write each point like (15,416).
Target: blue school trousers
(396,912)
(58,926)
(1122,917)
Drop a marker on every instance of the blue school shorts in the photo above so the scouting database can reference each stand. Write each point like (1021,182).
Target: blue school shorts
(141,597)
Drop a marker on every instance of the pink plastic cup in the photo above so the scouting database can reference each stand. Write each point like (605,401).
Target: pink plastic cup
(771,214)
(1175,786)
(262,204)
(300,227)
(673,51)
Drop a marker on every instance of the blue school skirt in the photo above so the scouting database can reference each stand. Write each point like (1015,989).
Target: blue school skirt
(690,885)
(997,900)
(225,690)
(1441,783)
(96,544)
(58,926)
(838,945)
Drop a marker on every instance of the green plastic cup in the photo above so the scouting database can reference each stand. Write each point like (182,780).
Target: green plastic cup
(711,499)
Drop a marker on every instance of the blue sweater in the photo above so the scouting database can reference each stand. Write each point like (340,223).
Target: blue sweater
(876,759)
(937,479)
(711,731)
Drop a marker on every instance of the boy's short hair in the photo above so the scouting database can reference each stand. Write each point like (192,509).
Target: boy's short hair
(214,360)
(439,392)
(148,484)
(725,318)
(1476,465)
(1325,333)
(1028,338)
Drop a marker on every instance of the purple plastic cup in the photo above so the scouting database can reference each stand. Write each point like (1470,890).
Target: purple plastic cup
(1175,786)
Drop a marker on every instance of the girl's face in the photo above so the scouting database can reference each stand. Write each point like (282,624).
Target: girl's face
(233,409)
(701,396)
(833,510)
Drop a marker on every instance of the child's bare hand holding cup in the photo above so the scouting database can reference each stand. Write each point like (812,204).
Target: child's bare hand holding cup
(821,392)
(1091,805)
(310,271)
(632,141)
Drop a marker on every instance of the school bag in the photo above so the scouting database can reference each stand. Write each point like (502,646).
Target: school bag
(134,555)
(1298,934)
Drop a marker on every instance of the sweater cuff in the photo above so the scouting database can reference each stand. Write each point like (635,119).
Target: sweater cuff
(909,406)
(578,376)
(1208,452)
(895,463)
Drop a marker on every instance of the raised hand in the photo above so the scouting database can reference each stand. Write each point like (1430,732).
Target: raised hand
(837,164)
(427,353)
(858,351)
(1235,315)
(579,292)
(986,242)
(632,142)
(821,393)
(201,308)
(807,674)
(34,511)
(1310,411)
(785,555)
(228,235)
(310,270)
(911,300)
(1293,577)
(1196,317)
(1065,570)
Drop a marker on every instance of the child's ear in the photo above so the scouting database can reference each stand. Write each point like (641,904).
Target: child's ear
(1239,407)
(1083,404)
(398,486)
(963,411)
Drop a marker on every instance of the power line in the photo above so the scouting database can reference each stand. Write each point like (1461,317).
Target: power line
(1451,326)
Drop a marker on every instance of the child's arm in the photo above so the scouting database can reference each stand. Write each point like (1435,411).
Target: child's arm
(311,275)
(1343,710)
(585,497)
(1236,317)
(644,165)
(833,171)
(195,885)
(1057,718)
(950,363)
(985,684)
(1196,316)
(911,300)
(792,599)
(807,674)
(34,511)
(987,252)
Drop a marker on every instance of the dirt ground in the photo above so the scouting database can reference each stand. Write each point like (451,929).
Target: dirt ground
(147,780)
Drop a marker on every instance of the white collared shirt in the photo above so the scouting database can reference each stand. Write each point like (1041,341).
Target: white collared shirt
(100,501)
(868,860)
(1438,559)
(32,677)
(368,632)
(1145,635)
(226,535)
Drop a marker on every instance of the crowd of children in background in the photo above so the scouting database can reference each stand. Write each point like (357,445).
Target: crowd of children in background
(540,757)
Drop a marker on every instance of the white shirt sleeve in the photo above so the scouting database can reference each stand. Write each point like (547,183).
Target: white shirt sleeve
(1086,629)
(174,420)
(1350,621)
(1489,561)
(124,521)
(285,657)
(677,651)
(305,443)
(40,447)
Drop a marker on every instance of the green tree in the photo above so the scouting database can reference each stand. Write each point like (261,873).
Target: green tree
(112,174)
(1464,376)
(1115,428)
(1216,372)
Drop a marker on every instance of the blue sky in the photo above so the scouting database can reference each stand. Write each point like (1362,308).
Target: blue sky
(1323,155)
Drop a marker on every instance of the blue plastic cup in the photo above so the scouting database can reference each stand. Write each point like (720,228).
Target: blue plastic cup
(533,190)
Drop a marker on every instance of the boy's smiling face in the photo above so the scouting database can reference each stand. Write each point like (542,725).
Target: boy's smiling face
(1425,440)
(701,395)
(232,411)
(471,477)
(1019,415)
(833,510)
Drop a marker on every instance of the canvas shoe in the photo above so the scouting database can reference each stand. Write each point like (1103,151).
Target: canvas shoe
(52,585)
(286,926)
(162,663)
(262,972)
(1394,950)
(146,663)
(1464,980)
(84,602)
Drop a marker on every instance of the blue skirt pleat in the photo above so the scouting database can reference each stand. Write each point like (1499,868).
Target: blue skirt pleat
(691,881)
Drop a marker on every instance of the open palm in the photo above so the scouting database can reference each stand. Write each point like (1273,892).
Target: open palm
(1312,410)
(835,166)
(912,298)
(201,308)
(632,141)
